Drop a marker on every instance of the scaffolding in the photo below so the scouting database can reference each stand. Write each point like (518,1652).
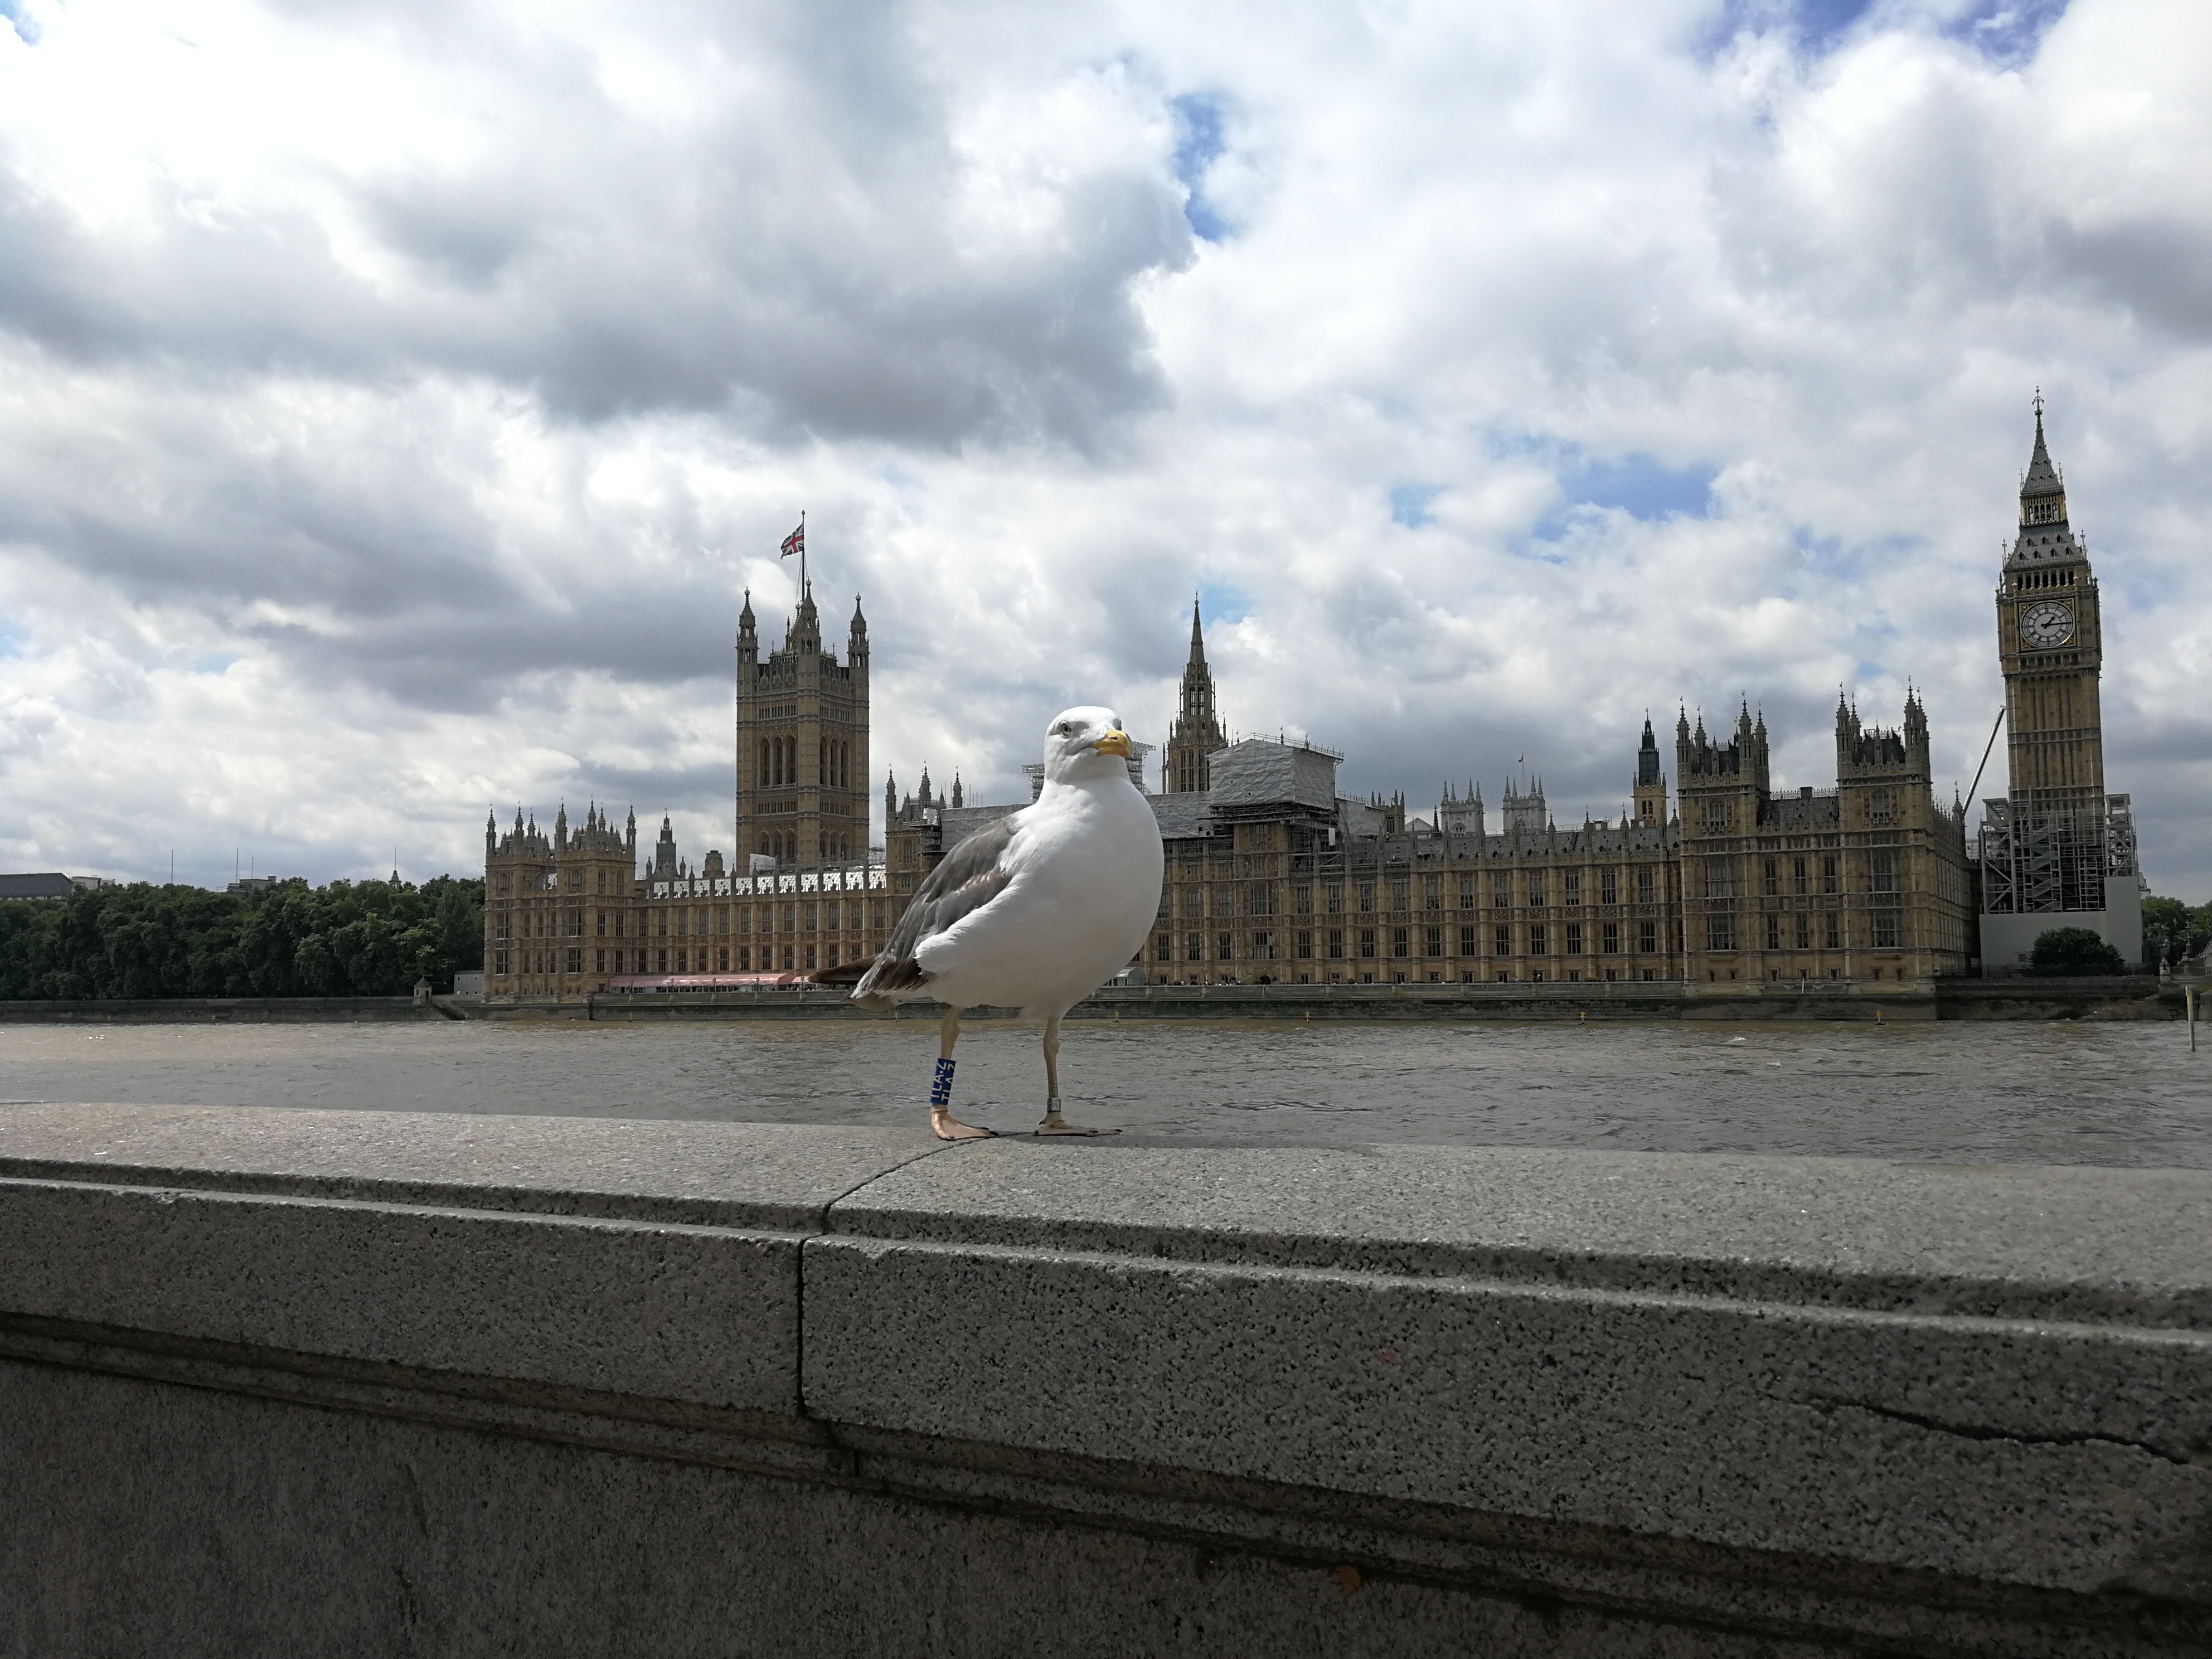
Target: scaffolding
(2051,857)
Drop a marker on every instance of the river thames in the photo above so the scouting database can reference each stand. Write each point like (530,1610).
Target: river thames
(2063,1093)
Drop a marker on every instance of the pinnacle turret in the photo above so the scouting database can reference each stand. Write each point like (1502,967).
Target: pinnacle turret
(1647,756)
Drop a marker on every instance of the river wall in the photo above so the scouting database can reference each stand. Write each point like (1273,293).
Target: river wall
(2128,998)
(292,1381)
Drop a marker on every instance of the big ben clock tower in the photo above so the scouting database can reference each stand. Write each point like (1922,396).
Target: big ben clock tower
(2051,645)
(2057,851)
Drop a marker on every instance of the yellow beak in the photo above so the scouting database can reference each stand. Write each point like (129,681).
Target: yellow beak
(1113,742)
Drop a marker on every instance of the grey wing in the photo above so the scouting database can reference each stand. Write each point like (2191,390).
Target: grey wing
(967,877)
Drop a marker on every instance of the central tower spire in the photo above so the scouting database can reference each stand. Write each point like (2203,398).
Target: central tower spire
(2042,487)
(1197,731)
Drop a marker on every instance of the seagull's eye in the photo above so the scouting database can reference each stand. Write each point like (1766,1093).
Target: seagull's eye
(1064,729)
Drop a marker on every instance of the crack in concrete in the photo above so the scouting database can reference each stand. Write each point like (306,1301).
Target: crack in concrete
(1982,1431)
(823,1230)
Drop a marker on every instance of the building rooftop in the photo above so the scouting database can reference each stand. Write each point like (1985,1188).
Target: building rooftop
(42,885)
(1258,773)
(1187,817)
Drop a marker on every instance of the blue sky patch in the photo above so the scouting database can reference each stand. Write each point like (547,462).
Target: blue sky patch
(1409,503)
(1198,142)
(2004,31)
(1822,23)
(1637,483)
(1640,485)
(1217,602)
(1816,546)
(26,31)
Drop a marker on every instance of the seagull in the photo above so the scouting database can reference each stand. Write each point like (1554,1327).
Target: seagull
(1036,912)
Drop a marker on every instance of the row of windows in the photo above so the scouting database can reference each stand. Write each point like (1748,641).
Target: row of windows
(1331,944)
(663,959)
(814,916)
(607,882)
(1799,877)
(1720,812)
(570,961)
(775,763)
(1259,899)
(1799,932)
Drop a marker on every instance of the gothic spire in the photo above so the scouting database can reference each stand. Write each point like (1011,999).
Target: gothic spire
(1196,733)
(2042,491)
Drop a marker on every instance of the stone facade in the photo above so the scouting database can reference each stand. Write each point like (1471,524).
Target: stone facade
(802,741)
(568,915)
(1866,881)
(573,914)
(1273,877)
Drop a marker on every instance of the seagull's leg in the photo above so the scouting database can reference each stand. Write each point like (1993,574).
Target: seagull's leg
(1054,1123)
(942,1123)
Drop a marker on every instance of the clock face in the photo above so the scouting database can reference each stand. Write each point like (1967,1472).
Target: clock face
(2047,623)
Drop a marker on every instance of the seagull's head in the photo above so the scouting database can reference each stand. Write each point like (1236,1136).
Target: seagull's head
(1084,743)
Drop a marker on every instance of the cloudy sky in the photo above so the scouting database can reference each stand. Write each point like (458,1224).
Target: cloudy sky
(396,399)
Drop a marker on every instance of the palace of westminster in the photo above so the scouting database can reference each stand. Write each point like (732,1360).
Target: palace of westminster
(1272,876)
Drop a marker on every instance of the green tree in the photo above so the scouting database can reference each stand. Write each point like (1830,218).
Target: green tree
(2074,951)
(2174,929)
(366,938)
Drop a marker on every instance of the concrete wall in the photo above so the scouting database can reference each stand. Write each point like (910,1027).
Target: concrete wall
(2008,940)
(378,1383)
(241,1010)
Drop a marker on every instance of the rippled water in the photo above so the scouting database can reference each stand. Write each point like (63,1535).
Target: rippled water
(2066,1093)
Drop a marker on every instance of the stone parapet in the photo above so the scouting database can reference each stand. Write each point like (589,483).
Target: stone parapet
(286,1382)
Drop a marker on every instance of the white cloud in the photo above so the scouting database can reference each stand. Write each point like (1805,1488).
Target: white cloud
(392,401)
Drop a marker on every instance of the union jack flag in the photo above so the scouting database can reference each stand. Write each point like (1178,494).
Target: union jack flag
(795,542)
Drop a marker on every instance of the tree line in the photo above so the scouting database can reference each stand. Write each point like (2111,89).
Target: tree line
(2171,932)
(349,938)
(2173,929)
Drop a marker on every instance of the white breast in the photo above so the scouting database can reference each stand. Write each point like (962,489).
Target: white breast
(1086,864)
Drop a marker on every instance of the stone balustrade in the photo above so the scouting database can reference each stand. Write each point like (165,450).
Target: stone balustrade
(299,1382)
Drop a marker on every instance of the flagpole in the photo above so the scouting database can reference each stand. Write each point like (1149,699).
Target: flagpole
(802,555)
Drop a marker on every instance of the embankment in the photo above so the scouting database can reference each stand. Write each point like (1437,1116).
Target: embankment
(295,1381)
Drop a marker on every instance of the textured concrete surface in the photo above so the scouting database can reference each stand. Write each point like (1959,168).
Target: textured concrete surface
(493,1385)
(2001,1374)
(147,1519)
(661,1260)
(738,1174)
(2008,1240)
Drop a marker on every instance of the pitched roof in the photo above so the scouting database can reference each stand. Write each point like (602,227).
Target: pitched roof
(961,822)
(1186,816)
(2042,477)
